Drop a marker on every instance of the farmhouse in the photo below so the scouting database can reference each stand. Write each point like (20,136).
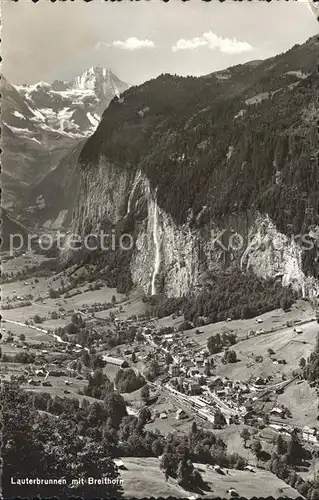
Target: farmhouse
(116,361)
(278,412)
(180,414)
(119,463)
(260,381)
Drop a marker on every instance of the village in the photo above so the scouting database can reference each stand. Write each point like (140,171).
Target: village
(240,379)
(188,372)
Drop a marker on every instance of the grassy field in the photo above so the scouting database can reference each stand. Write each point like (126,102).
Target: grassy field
(273,319)
(58,386)
(302,400)
(143,478)
(17,263)
(31,336)
(111,371)
(105,294)
(285,343)
(231,436)
(39,288)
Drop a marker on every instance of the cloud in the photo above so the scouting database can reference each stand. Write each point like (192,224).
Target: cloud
(131,43)
(192,44)
(212,41)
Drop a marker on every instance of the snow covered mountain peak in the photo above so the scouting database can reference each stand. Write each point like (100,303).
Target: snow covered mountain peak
(90,77)
(43,127)
(87,80)
(71,108)
(100,80)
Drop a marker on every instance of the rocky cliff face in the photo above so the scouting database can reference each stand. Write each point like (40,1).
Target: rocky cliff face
(172,259)
(197,199)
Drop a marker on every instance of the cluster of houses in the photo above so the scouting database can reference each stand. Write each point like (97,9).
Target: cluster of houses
(310,434)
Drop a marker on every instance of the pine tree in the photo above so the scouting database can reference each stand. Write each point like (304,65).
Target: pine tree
(281,446)
(245,435)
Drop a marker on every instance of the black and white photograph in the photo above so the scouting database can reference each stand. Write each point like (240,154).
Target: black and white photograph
(160,249)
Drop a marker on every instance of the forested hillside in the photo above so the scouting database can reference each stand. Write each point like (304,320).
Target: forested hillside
(243,141)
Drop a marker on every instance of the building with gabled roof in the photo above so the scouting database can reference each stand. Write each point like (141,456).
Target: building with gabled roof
(122,363)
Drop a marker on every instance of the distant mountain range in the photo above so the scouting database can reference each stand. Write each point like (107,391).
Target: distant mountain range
(43,127)
(70,108)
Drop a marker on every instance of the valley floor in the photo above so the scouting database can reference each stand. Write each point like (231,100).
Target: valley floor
(261,346)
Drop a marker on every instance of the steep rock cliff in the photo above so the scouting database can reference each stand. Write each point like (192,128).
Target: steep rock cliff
(208,173)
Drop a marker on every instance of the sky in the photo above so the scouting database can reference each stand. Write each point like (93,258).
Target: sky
(140,40)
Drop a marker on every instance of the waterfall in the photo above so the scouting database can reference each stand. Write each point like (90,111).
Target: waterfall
(156,240)
(130,198)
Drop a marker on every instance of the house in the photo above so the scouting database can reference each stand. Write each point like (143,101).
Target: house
(46,383)
(119,463)
(201,379)
(174,370)
(192,387)
(221,392)
(241,387)
(218,469)
(163,416)
(180,414)
(199,361)
(260,381)
(192,372)
(278,412)
(33,382)
(57,373)
(249,416)
(249,468)
(251,333)
(276,427)
(187,363)
(215,382)
(122,363)
(310,434)
(232,492)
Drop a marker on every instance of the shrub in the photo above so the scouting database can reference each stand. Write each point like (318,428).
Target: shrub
(37,319)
